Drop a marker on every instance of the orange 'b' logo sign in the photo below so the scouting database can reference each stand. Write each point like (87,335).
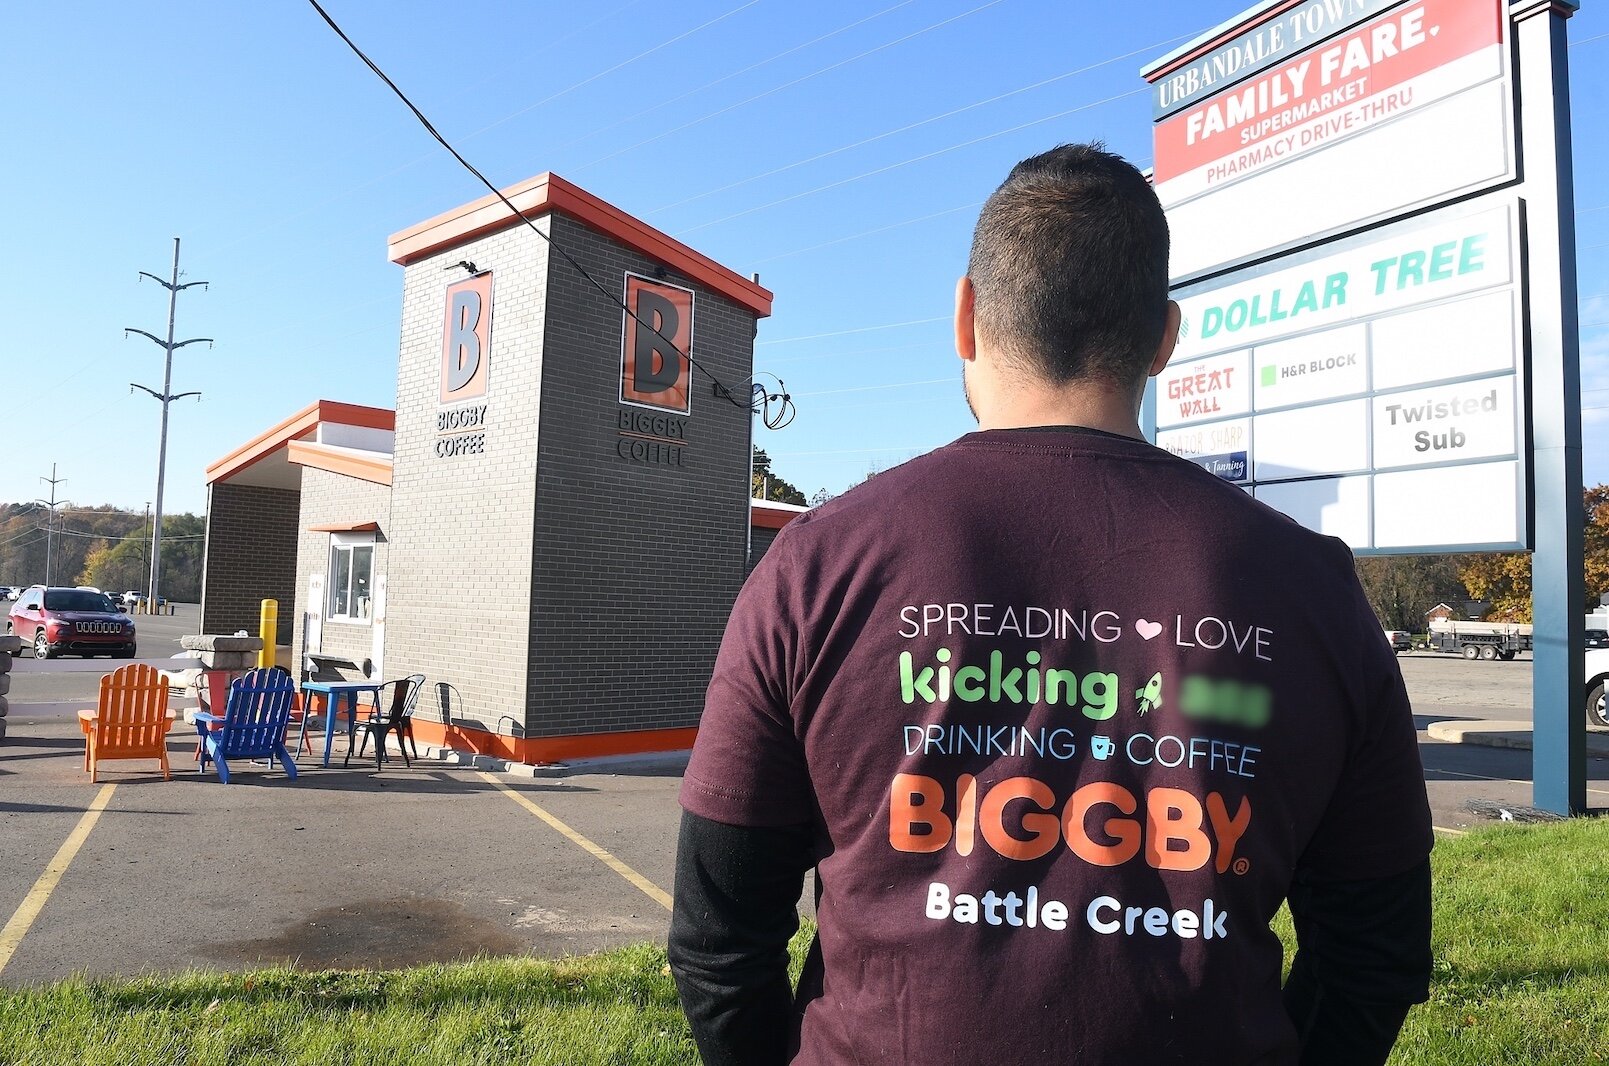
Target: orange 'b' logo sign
(466,341)
(654,370)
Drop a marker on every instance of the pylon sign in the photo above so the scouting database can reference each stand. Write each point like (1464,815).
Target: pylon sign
(1352,350)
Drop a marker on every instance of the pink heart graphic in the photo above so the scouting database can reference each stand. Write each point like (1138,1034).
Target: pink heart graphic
(1147,630)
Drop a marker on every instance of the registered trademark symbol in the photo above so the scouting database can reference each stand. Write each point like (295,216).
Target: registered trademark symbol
(1242,865)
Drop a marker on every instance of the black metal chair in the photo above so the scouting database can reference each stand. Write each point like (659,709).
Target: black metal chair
(394,715)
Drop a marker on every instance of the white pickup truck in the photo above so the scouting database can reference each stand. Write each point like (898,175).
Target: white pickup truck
(1597,673)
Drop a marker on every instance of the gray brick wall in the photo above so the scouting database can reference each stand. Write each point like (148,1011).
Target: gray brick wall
(460,558)
(330,499)
(518,575)
(635,565)
(250,557)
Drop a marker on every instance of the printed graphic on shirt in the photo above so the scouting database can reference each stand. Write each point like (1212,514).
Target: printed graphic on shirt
(1149,718)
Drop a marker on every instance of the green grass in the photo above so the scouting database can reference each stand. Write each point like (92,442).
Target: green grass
(1522,978)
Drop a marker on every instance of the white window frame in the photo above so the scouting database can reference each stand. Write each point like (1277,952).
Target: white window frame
(344,543)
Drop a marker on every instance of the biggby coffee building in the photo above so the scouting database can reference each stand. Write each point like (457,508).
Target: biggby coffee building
(553,523)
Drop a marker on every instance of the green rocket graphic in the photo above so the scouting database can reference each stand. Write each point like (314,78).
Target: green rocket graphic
(1150,696)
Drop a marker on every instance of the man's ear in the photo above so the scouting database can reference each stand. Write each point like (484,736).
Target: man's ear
(966,335)
(1170,338)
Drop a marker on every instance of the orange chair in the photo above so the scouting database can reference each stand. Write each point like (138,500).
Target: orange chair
(131,720)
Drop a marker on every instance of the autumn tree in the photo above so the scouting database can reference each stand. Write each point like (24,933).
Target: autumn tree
(1402,588)
(1502,579)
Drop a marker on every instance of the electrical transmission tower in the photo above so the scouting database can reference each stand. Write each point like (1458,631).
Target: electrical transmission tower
(50,522)
(166,396)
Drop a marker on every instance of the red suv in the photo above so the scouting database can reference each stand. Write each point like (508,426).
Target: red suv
(58,621)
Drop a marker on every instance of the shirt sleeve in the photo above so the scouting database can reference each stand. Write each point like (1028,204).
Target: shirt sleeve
(1378,819)
(1363,957)
(748,764)
(737,891)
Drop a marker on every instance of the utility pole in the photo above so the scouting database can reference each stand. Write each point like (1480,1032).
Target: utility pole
(50,522)
(166,396)
(148,533)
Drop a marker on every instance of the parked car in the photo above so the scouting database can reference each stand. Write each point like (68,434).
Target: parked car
(131,599)
(61,621)
(1399,640)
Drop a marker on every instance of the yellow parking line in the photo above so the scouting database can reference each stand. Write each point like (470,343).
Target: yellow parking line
(11,936)
(645,886)
(1449,832)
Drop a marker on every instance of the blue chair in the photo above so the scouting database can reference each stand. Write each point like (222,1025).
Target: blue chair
(253,724)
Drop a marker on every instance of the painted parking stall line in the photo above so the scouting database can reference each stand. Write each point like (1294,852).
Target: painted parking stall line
(34,902)
(637,880)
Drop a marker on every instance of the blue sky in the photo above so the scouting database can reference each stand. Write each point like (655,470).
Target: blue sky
(838,149)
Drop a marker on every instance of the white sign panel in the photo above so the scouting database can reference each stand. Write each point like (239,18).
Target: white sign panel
(1397,350)
(1311,441)
(1222,447)
(1209,388)
(1405,110)
(1455,506)
(1452,340)
(1313,368)
(1336,507)
(1412,266)
(1445,424)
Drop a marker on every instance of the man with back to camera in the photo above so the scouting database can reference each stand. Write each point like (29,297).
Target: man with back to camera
(1059,718)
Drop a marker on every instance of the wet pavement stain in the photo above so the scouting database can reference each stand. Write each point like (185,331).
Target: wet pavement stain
(373,934)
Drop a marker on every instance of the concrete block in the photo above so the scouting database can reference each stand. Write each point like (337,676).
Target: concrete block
(219,642)
(229,660)
(5,707)
(5,684)
(2,729)
(5,662)
(11,644)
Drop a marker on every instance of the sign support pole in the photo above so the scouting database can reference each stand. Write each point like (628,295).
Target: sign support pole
(1558,757)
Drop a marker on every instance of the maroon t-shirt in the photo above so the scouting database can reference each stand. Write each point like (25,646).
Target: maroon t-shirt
(1068,713)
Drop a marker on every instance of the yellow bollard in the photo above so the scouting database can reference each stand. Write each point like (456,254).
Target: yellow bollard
(268,629)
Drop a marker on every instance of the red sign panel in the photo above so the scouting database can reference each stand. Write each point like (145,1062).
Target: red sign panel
(655,338)
(1345,86)
(466,339)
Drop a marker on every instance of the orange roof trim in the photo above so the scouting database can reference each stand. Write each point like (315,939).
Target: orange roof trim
(371,467)
(548,192)
(764,516)
(302,422)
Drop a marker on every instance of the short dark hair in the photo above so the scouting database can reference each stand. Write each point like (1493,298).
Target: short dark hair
(1069,265)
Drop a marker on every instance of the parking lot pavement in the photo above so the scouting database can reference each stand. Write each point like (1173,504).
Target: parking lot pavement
(339,868)
(350,867)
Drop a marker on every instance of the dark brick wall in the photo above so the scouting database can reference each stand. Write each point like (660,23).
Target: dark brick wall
(634,566)
(760,541)
(251,557)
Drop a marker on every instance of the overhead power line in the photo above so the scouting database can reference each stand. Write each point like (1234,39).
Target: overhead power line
(858,329)
(662,104)
(776,409)
(907,162)
(787,85)
(605,73)
(920,123)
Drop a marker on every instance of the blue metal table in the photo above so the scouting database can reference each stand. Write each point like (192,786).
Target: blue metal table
(333,692)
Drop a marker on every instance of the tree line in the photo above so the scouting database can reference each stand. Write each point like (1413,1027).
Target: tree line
(107,547)
(1403,588)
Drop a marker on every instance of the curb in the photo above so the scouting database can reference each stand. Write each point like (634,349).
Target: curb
(1503,734)
(610,764)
